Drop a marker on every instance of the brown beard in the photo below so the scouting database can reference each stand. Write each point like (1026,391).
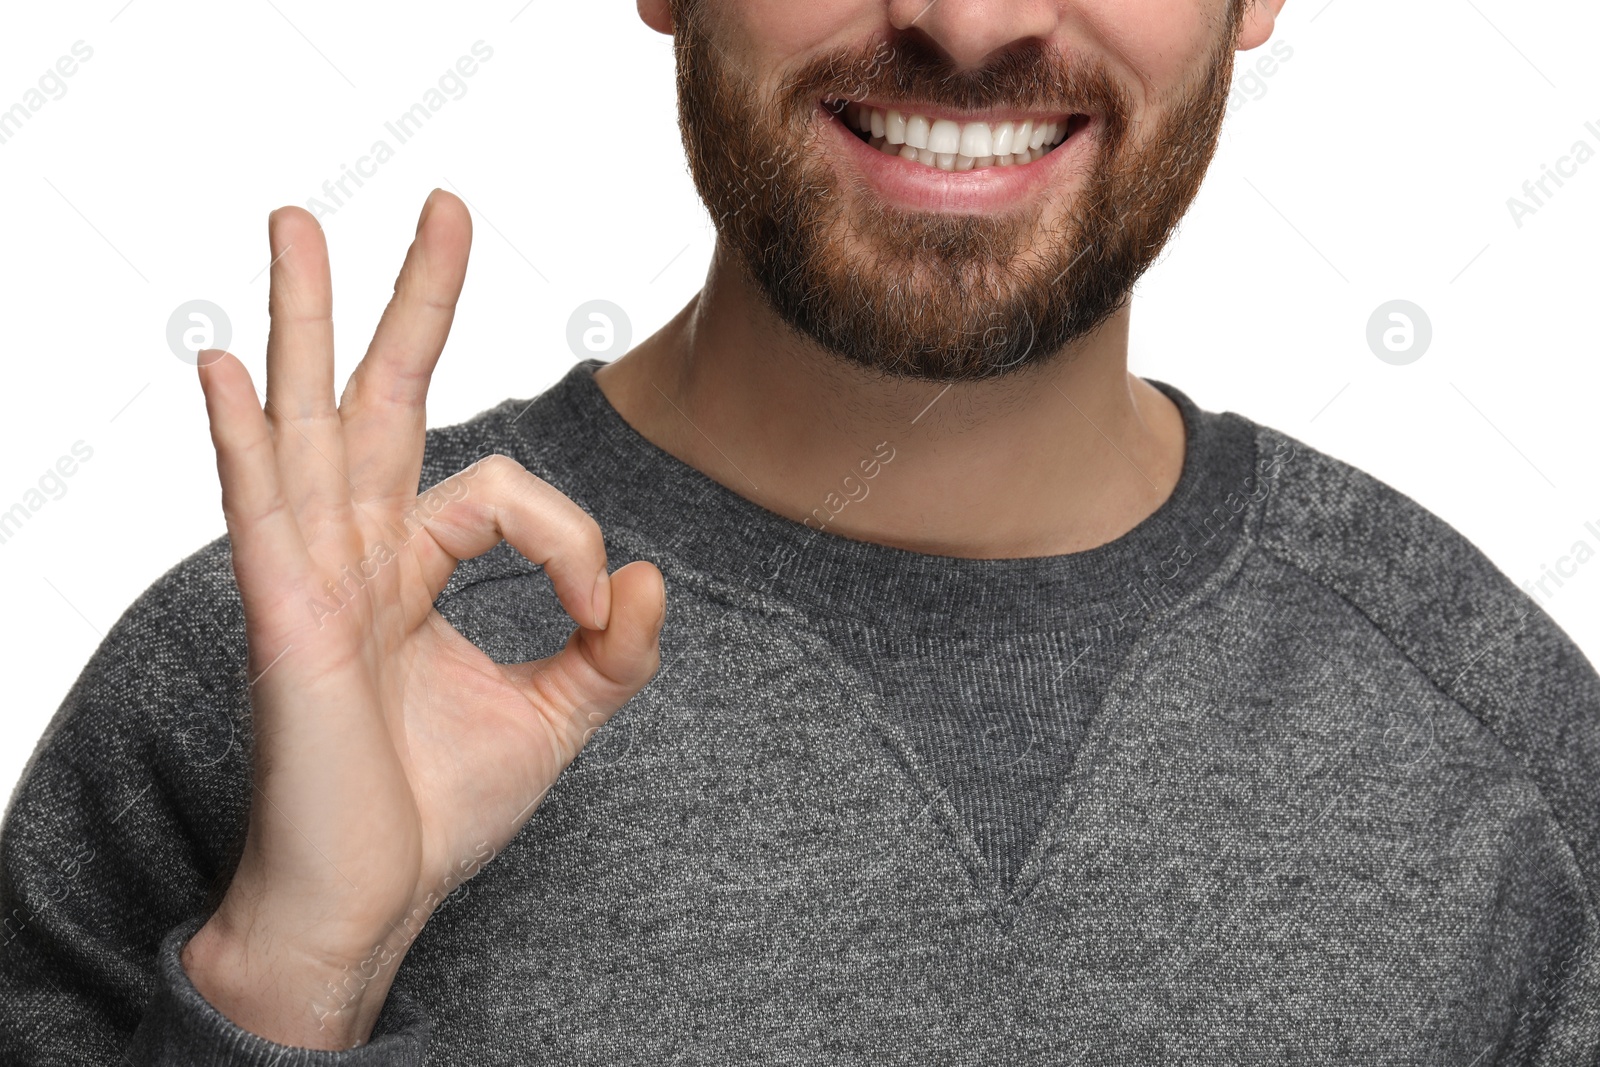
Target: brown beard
(927,295)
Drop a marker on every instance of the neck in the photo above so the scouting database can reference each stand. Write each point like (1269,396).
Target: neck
(1059,457)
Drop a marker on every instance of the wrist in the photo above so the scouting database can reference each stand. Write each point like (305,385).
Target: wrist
(267,985)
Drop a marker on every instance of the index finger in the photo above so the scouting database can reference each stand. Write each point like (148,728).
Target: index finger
(497,499)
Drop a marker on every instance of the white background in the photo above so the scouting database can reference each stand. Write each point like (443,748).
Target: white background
(1375,163)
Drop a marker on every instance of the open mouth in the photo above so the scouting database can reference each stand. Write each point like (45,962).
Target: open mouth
(955,146)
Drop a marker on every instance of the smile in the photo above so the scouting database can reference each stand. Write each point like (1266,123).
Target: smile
(951,145)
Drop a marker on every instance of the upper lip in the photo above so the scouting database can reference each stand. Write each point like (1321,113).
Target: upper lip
(935,111)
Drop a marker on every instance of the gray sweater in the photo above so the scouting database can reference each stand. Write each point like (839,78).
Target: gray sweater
(1288,774)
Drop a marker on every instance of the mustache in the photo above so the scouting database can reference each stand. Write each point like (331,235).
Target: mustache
(1029,75)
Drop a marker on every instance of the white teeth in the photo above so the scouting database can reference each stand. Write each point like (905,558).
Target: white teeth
(1000,142)
(951,161)
(917,131)
(975,139)
(951,145)
(944,137)
(894,125)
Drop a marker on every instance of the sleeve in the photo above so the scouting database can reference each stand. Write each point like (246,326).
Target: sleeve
(1492,649)
(180,1027)
(1485,643)
(120,837)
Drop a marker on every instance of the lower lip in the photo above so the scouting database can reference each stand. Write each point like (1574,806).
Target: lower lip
(920,187)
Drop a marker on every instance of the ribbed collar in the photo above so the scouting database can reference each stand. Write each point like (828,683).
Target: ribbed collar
(578,442)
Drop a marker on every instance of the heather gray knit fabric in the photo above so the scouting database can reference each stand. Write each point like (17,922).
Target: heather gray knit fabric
(993,674)
(1289,774)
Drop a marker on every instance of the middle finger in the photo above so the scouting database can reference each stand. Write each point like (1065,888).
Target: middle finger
(299,407)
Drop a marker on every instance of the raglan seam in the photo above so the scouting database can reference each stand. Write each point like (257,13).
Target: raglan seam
(1590,909)
(1523,766)
(1522,763)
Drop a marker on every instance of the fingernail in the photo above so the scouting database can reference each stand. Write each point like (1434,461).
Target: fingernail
(601,601)
(207,356)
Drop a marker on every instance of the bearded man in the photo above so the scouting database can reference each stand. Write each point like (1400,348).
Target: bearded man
(1005,708)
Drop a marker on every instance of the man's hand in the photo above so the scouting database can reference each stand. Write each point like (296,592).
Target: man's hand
(391,755)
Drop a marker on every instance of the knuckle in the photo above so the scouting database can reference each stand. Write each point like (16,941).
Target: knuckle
(582,530)
(592,531)
(499,467)
(256,448)
(238,513)
(575,541)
